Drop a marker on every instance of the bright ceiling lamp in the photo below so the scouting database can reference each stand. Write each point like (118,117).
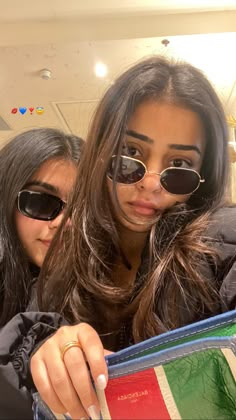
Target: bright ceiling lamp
(100,69)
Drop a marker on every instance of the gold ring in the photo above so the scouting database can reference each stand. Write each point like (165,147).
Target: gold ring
(67,346)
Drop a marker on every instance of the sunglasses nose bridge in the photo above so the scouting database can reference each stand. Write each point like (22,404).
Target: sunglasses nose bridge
(153,173)
(147,173)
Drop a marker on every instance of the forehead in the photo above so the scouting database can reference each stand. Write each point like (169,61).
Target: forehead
(167,122)
(57,172)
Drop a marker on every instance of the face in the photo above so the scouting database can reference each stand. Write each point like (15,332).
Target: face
(54,177)
(161,135)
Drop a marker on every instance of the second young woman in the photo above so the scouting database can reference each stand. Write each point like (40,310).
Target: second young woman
(37,172)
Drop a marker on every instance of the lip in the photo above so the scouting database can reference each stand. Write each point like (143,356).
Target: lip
(145,208)
(46,243)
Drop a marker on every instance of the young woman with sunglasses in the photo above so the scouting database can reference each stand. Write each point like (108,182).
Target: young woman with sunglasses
(147,252)
(34,191)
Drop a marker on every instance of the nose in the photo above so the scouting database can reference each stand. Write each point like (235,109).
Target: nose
(55,223)
(150,182)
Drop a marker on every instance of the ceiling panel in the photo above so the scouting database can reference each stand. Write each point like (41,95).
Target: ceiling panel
(16,10)
(76,116)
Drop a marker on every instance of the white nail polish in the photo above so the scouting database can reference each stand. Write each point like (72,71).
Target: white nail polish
(101,382)
(93,412)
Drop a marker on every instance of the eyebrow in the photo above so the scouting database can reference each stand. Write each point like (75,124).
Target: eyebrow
(44,185)
(185,147)
(139,136)
(147,139)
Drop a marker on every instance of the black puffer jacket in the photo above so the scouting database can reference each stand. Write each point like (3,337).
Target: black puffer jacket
(26,330)
(17,340)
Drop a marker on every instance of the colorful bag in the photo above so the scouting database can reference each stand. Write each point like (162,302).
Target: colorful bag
(188,373)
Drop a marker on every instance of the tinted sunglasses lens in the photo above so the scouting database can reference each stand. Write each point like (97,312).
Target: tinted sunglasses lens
(129,170)
(180,181)
(39,206)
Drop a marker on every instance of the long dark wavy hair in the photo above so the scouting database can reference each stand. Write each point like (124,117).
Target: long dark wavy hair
(20,158)
(173,286)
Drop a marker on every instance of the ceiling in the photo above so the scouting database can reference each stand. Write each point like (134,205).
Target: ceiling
(69,37)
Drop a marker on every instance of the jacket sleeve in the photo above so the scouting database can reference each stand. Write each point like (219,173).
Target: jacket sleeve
(18,339)
(222,232)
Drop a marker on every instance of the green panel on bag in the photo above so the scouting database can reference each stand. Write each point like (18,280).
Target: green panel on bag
(203,386)
(222,331)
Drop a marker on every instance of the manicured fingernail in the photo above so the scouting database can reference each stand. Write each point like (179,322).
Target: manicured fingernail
(93,412)
(101,382)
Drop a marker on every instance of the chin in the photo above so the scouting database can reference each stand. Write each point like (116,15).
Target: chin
(38,262)
(137,227)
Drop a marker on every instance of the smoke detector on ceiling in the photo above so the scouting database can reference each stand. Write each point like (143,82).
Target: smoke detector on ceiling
(165,42)
(45,74)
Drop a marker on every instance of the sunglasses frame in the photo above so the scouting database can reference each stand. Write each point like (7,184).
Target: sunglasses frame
(201,180)
(45,219)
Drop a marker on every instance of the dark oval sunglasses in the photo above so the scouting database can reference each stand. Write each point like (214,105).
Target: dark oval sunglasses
(39,205)
(177,181)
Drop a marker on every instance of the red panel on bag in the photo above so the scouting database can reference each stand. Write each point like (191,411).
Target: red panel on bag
(136,396)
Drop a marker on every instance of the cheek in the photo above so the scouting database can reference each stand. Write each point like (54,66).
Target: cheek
(180,199)
(171,200)
(27,229)
(122,191)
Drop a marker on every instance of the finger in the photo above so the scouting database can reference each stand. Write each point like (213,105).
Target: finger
(64,388)
(94,353)
(108,352)
(81,379)
(44,386)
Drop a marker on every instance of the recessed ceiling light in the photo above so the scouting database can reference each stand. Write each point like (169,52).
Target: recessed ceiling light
(100,69)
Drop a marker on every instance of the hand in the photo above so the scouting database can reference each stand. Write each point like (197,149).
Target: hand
(64,383)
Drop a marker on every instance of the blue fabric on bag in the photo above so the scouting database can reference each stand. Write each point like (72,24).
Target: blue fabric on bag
(171,336)
(133,358)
